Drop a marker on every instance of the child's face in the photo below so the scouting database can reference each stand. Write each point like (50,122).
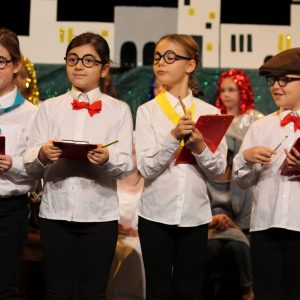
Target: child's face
(287,97)
(83,78)
(7,73)
(229,94)
(173,76)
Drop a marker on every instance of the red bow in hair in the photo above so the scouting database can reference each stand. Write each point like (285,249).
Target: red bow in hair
(93,108)
(291,118)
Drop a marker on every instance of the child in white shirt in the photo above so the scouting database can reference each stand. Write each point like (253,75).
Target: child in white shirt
(275,223)
(79,209)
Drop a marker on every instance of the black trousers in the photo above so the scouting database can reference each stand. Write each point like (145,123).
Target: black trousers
(275,256)
(174,259)
(13,234)
(77,258)
(231,256)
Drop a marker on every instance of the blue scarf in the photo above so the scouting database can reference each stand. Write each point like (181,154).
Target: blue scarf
(18,101)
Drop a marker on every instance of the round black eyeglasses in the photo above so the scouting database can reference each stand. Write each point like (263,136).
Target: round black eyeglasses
(3,62)
(281,80)
(87,60)
(169,57)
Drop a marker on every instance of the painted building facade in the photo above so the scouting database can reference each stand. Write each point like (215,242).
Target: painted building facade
(132,35)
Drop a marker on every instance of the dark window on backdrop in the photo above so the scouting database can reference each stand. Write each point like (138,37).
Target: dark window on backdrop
(128,55)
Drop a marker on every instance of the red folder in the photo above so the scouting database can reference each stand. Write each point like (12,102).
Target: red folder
(74,149)
(2,145)
(213,128)
(290,171)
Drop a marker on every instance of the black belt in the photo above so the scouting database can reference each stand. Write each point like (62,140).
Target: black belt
(12,204)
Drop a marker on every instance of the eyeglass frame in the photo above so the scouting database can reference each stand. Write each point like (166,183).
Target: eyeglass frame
(6,61)
(82,60)
(279,78)
(176,57)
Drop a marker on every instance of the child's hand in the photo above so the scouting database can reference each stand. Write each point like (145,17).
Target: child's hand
(293,158)
(184,127)
(98,156)
(49,153)
(259,154)
(5,163)
(195,141)
(222,222)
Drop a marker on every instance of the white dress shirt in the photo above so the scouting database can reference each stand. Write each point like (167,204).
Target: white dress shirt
(276,200)
(78,190)
(15,125)
(174,194)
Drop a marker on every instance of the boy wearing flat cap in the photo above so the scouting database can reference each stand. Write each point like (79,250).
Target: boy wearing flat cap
(275,219)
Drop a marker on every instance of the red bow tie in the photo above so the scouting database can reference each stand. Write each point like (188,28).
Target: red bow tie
(291,118)
(93,108)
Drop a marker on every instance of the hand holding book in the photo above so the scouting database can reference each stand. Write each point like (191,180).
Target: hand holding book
(213,129)
(72,149)
(291,165)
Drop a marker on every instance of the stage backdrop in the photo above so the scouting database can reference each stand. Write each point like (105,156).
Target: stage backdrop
(133,85)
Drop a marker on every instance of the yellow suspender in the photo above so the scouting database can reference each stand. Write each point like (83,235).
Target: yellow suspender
(169,110)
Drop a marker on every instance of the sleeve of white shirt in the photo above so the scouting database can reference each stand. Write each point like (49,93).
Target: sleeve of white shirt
(120,162)
(152,157)
(244,173)
(38,137)
(213,164)
(17,173)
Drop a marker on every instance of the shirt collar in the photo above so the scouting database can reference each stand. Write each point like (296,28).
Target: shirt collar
(90,96)
(286,112)
(188,100)
(8,99)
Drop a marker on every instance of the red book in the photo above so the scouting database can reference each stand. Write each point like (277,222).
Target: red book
(74,149)
(290,171)
(213,129)
(2,145)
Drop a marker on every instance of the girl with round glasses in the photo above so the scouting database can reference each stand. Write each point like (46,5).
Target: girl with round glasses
(16,118)
(174,209)
(79,209)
